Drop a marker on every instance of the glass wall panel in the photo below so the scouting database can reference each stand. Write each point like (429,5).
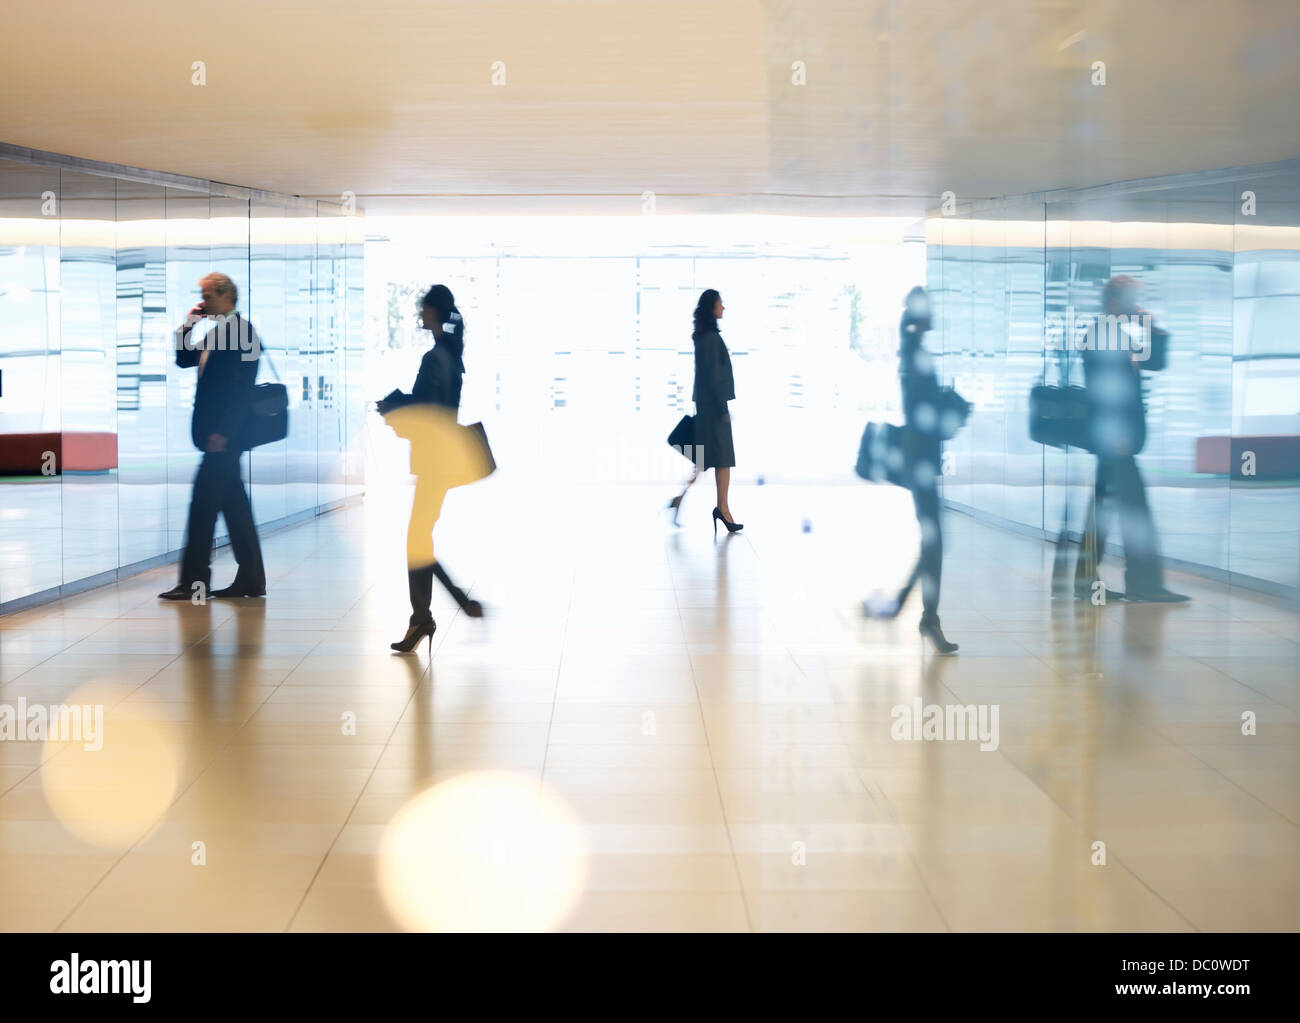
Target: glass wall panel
(188,259)
(1067,477)
(31,481)
(144,354)
(1265,504)
(228,252)
(96,272)
(1221,456)
(301,360)
(331,321)
(88,329)
(266,311)
(1026,239)
(356,394)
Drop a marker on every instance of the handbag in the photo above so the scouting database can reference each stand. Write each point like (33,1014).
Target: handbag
(268,419)
(882,454)
(1158,359)
(1058,414)
(683,436)
(478,439)
(954,410)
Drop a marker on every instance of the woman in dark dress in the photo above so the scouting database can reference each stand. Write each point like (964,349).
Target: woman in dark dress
(714,387)
(922,407)
(423,416)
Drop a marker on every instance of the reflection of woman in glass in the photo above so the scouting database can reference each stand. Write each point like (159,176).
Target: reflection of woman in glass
(714,387)
(922,407)
(427,417)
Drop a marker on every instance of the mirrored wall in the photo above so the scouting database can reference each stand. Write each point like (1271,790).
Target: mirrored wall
(1218,258)
(98,265)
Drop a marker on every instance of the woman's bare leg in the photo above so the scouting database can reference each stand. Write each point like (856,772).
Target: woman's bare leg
(676,503)
(722,478)
(695,474)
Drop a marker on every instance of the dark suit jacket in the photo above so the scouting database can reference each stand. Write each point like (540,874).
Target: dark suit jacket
(225,389)
(437,383)
(714,383)
(1117,415)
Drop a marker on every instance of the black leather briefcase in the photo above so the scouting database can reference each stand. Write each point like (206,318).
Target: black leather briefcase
(268,419)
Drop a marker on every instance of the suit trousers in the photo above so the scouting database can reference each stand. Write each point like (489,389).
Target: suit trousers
(218,489)
(1119,489)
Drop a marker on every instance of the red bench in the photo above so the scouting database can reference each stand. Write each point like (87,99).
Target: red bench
(25,454)
(1276,457)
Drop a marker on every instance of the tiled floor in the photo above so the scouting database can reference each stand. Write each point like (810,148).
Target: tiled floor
(652,730)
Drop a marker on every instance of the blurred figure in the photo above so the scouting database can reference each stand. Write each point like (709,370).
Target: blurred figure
(922,403)
(227,362)
(1117,432)
(675,505)
(714,387)
(427,418)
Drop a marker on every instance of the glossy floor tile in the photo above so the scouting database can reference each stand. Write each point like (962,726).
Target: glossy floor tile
(651,730)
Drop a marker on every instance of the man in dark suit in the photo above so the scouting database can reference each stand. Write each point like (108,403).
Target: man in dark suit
(226,358)
(1117,432)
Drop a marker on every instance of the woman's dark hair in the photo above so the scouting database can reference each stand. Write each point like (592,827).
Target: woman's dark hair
(705,321)
(439,297)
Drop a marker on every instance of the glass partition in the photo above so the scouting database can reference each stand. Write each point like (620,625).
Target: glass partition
(331,302)
(266,309)
(144,358)
(1221,459)
(31,480)
(97,268)
(301,360)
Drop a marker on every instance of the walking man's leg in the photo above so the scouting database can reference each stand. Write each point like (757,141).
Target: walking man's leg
(1093,546)
(235,506)
(205,502)
(1143,571)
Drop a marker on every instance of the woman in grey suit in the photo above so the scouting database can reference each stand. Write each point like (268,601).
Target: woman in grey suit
(714,387)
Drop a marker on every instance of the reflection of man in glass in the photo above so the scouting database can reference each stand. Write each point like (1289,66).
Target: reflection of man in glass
(227,360)
(1117,432)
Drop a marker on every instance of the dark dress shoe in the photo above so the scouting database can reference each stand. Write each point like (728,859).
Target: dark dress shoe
(1084,592)
(177,592)
(237,589)
(1156,597)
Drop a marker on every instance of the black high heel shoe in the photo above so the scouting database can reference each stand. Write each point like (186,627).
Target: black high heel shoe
(413,636)
(931,631)
(732,527)
(674,506)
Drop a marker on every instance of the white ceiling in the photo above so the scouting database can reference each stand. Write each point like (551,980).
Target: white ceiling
(605,100)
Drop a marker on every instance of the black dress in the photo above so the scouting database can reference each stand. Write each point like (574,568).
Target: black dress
(714,387)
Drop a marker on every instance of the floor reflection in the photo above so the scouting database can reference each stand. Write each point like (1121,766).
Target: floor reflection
(699,731)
